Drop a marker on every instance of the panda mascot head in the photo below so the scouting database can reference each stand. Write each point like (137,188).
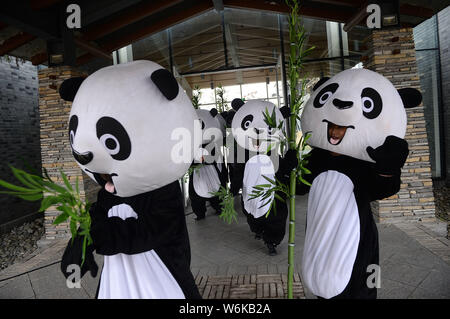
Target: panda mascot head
(221,117)
(212,135)
(121,126)
(361,103)
(211,127)
(249,128)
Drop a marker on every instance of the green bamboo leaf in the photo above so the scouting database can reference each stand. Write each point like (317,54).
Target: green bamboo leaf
(304,181)
(49,201)
(17,188)
(31,197)
(53,186)
(66,181)
(268,179)
(23,178)
(279,197)
(77,187)
(83,256)
(305,170)
(68,211)
(73,229)
(46,174)
(61,218)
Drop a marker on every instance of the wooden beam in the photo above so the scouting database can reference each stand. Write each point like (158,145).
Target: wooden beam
(357,17)
(39,58)
(416,11)
(307,9)
(131,15)
(162,24)
(42,4)
(92,49)
(42,24)
(346,3)
(178,17)
(15,42)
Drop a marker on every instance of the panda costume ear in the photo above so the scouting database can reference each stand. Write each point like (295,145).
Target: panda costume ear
(285,111)
(321,81)
(236,104)
(166,83)
(229,116)
(410,97)
(213,112)
(69,88)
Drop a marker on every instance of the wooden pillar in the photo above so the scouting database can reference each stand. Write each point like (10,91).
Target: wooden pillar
(392,54)
(56,152)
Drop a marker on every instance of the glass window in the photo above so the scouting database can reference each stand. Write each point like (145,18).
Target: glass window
(154,48)
(252,37)
(428,69)
(197,44)
(425,35)
(427,57)
(231,92)
(254,91)
(207,96)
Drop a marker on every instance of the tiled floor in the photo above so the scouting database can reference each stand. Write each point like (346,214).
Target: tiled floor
(413,261)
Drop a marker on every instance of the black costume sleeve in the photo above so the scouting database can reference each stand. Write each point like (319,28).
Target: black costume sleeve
(287,164)
(153,227)
(383,186)
(302,188)
(236,177)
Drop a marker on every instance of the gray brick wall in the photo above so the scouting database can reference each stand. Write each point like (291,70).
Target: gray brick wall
(444,43)
(19,132)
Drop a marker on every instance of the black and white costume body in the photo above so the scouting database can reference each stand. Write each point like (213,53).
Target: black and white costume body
(121,126)
(210,173)
(252,161)
(347,174)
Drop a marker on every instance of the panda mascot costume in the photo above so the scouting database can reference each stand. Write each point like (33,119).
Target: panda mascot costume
(357,122)
(253,160)
(209,172)
(121,126)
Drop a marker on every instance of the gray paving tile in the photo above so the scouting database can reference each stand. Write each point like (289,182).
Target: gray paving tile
(391,289)
(404,273)
(17,288)
(438,282)
(407,268)
(419,293)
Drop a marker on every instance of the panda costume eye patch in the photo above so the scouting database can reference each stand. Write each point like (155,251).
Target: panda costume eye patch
(325,94)
(114,138)
(245,124)
(372,104)
(73,125)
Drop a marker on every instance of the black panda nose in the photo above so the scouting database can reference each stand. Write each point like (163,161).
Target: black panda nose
(342,104)
(83,158)
(257,130)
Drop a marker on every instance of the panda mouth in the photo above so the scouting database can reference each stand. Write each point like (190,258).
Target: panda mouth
(105,181)
(256,142)
(337,132)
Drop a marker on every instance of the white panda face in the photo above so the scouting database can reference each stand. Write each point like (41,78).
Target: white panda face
(121,127)
(251,131)
(361,103)
(211,127)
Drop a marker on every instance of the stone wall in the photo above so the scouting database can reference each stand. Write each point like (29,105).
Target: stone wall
(55,146)
(19,134)
(392,53)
